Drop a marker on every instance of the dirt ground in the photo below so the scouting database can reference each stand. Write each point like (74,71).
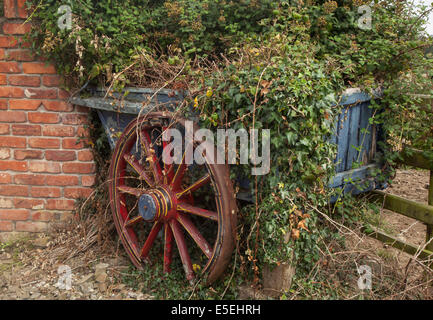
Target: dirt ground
(29,269)
(413,185)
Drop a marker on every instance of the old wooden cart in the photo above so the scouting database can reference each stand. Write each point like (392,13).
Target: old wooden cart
(153,204)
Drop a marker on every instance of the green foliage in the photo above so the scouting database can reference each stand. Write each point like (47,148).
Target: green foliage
(153,281)
(106,36)
(279,65)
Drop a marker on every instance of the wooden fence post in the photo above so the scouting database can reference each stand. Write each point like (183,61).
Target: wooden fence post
(430,202)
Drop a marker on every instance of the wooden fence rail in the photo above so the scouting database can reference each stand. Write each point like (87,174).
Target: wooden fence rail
(418,211)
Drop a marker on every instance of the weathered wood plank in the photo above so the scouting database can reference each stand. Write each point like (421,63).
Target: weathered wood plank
(429,232)
(365,136)
(415,158)
(430,189)
(343,142)
(354,141)
(354,175)
(398,244)
(412,209)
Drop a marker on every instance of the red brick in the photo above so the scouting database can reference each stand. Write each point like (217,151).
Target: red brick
(8,42)
(83,132)
(13,142)
(9,8)
(45,192)
(43,117)
(22,9)
(73,143)
(10,67)
(44,166)
(2,54)
(25,81)
(26,130)
(37,67)
(26,203)
(60,204)
(5,153)
(4,128)
(12,116)
(24,104)
(64,94)
(20,55)
(6,226)
(28,154)
(41,93)
(82,109)
(74,119)
(51,81)
(60,155)
(62,180)
(58,131)
(14,214)
(85,155)
(13,191)
(3,80)
(58,106)
(30,179)
(88,181)
(44,143)
(16,28)
(78,168)
(5,178)
(43,216)
(77,193)
(28,45)
(11,92)
(13,166)
(4,104)
(29,226)
(6,203)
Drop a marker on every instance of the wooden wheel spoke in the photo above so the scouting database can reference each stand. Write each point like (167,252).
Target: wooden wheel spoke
(138,168)
(183,250)
(150,239)
(168,168)
(170,193)
(151,157)
(168,247)
(180,172)
(196,235)
(185,207)
(133,221)
(197,185)
(133,191)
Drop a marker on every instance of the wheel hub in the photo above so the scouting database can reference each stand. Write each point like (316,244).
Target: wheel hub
(157,205)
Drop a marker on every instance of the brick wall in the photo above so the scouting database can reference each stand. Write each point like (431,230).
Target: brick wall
(43,170)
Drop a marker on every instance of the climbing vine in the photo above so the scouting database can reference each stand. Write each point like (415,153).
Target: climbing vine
(278,65)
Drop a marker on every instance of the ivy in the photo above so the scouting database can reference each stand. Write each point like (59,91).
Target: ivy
(278,65)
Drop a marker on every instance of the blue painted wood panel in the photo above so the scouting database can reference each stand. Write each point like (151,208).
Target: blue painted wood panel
(354,135)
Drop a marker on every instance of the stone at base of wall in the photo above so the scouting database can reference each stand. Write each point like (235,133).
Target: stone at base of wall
(13,236)
(6,237)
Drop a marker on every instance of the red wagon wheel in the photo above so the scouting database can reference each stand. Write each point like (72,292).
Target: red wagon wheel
(157,206)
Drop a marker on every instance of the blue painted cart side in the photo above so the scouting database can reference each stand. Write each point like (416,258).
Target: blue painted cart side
(355,137)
